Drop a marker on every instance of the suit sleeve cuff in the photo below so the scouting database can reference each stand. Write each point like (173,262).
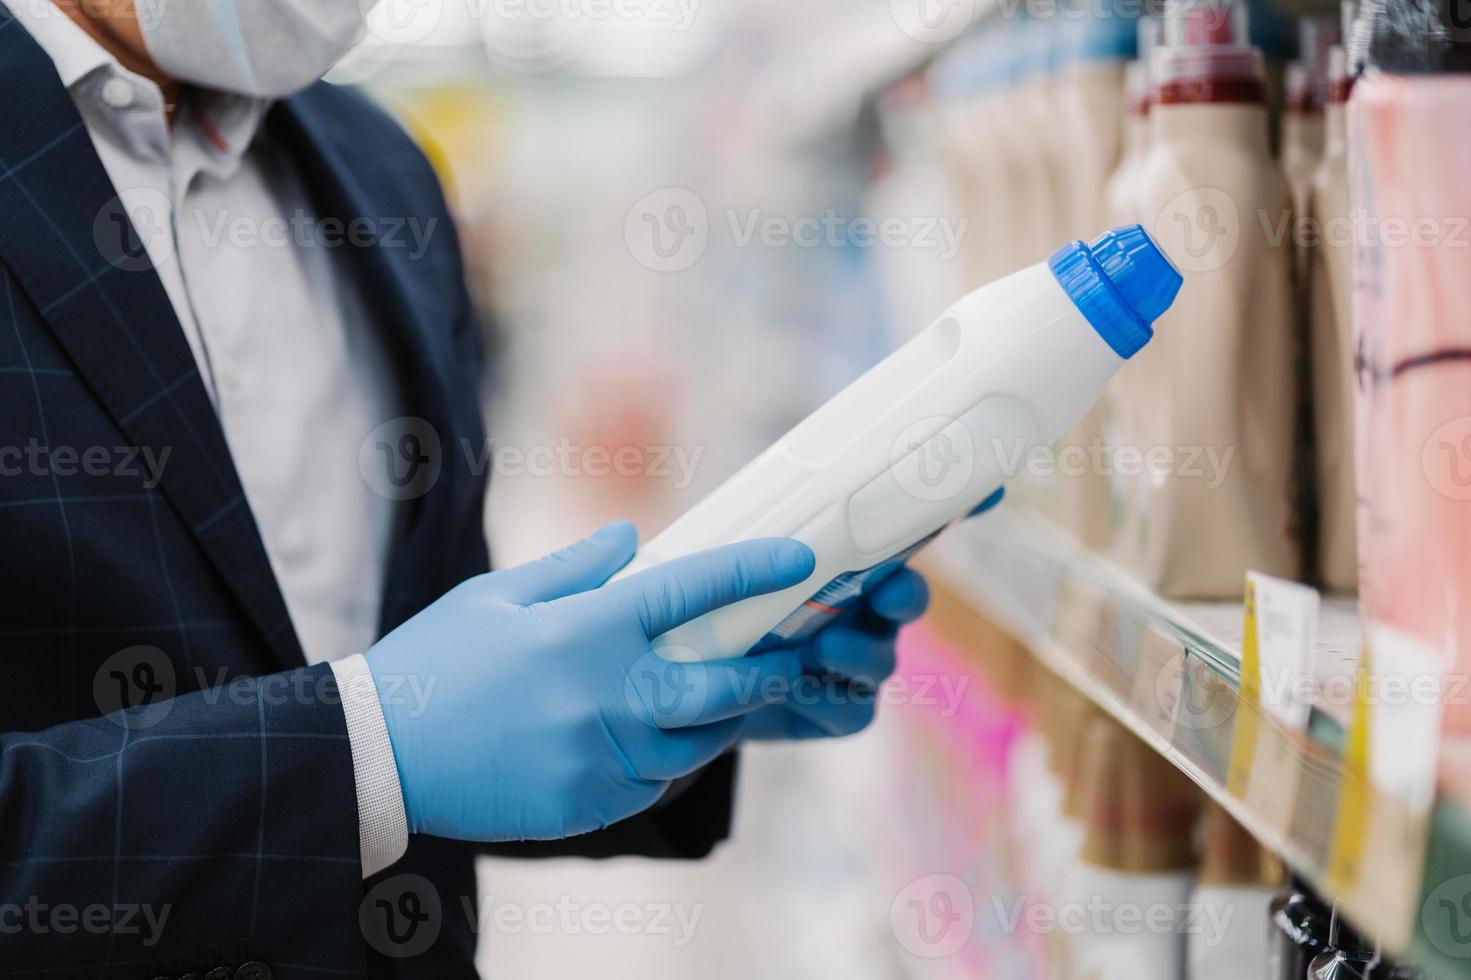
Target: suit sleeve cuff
(383,828)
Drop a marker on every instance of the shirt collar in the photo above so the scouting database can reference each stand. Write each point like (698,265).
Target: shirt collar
(127,106)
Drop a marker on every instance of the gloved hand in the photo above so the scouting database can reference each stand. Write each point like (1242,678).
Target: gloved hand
(844,664)
(546,713)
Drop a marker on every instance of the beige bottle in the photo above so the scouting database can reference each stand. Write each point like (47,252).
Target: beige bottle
(1331,341)
(1306,84)
(1121,197)
(1092,106)
(1215,401)
(1302,133)
(969,87)
(1124,202)
(1041,194)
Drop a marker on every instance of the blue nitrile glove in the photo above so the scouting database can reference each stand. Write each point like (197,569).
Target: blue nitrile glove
(844,664)
(527,704)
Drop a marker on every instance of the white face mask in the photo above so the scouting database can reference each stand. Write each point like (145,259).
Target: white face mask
(267,48)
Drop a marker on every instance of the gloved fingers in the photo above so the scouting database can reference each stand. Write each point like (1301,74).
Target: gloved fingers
(900,598)
(833,707)
(989,503)
(852,654)
(777,724)
(683,589)
(675,695)
(666,756)
(579,567)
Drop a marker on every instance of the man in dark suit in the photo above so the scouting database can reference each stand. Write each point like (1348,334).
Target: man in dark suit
(227,470)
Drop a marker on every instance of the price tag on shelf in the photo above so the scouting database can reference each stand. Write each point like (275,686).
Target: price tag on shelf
(1404,717)
(1279,637)
(1284,626)
(1388,781)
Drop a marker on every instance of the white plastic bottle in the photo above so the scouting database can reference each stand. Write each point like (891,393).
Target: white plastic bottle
(926,436)
(1232,902)
(1124,903)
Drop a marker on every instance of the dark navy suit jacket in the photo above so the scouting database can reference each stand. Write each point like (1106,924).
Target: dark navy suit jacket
(213,824)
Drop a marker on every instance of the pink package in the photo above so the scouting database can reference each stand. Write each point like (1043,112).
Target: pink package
(1410,142)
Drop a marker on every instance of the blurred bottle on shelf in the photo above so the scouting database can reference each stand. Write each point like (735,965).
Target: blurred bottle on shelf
(1408,143)
(970,84)
(1037,149)
(1298,933)
(1330,338)
(1306,85)
(1138,858)
(1238,881)
(1211,409)
(1122,194)
(913,180)
(1092,107)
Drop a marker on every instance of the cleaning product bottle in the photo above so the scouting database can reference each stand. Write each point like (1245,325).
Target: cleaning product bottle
(1330,289)
(1238,882)
(1302,132)
(1122,201)
(1035,149)
(1137,863)
(1302,112)
(1215,422)
(1092,105)
(925,437)
(969,83)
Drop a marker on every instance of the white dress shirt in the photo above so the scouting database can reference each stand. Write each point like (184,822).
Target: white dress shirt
(285,347)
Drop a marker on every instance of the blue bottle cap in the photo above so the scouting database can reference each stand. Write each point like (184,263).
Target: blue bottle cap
(1121,284)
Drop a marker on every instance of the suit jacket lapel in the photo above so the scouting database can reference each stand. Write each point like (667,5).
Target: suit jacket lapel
(72,247)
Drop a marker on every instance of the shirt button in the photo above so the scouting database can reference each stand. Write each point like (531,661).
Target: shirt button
(117,93)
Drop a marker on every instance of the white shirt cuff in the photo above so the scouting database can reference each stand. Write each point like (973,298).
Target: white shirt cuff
(383,826)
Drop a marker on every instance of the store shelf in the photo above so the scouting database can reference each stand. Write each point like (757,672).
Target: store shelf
(1171,673)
